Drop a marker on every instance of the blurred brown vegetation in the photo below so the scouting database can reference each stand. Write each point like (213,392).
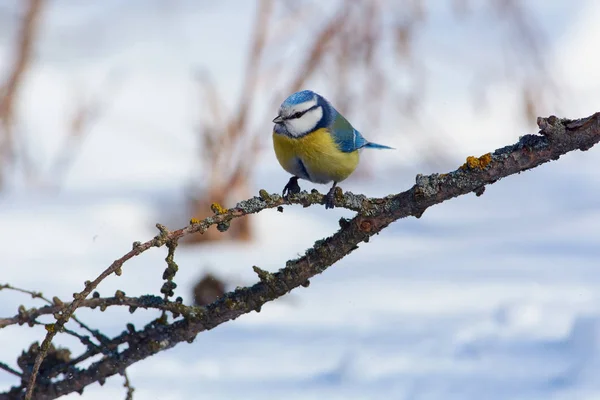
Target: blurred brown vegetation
(14,148)
(346,44)
(208,289)
(10,87)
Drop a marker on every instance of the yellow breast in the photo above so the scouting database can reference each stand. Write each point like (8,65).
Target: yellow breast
(314,157)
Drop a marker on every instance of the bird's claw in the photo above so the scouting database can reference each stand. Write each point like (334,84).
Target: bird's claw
(292,187)
(330,198)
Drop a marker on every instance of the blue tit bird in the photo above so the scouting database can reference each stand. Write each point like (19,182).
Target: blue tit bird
(313,141)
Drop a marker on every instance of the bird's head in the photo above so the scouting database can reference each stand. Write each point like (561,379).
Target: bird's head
(302,113)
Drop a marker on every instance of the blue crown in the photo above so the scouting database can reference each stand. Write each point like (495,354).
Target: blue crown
(299,97)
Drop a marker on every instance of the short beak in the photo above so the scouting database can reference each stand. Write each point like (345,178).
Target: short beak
(278,119)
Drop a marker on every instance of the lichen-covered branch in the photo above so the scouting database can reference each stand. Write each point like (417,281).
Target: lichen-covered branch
(26,316)
(557,137)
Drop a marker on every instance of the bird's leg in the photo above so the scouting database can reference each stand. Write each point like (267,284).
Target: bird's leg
(292,187)
(330,196)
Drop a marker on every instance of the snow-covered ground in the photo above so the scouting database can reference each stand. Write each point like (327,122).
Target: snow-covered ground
(491,297)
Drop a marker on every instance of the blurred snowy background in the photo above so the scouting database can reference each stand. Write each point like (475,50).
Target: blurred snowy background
(132,113)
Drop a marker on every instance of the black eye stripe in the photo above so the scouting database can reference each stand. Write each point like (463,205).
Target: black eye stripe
(301,113)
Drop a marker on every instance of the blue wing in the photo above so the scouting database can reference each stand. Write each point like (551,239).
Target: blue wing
(349,139)
(345,136)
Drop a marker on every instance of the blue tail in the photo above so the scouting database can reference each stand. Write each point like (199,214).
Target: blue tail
(372,145)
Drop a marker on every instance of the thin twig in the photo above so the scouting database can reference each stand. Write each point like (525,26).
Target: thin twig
(34,295)
(130,388)
(83,339)
(58,305)
(10,370)
(146,302)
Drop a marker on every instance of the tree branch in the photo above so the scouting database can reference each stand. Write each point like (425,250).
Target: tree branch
(29,316)
(10,370)
(558,137)
(148,302)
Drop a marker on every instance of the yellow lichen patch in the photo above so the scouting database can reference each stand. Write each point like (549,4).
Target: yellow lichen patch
(154,346)
(217,208)
(339,193)
(477,163)
(229,303)
(264,195)
(194,221)
(485,160)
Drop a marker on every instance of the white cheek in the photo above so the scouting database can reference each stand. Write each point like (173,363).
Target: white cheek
(306,123)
